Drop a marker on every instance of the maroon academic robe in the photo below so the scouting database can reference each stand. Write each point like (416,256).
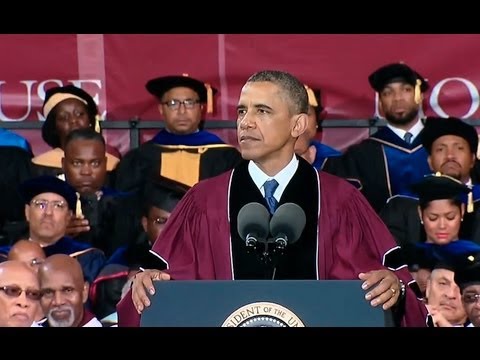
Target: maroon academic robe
(199,240)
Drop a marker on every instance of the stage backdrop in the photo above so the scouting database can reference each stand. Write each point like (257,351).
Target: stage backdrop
(115,68)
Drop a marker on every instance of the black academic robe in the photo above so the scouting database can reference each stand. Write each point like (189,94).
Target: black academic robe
(15,165)
(185,158)
(114,220)
(400,214)
(384,164)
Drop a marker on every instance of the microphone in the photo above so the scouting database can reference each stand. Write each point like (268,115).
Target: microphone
(252,222)
(287,224)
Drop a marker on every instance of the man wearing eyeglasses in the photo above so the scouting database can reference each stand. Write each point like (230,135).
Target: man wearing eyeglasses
(467,276)
(182,151)
(19,294)
(49,205)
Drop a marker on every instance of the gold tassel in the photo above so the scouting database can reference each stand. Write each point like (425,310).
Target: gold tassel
(97,123)
(418,92)
(209,99)
(78,208)
(470,202)
(312,100)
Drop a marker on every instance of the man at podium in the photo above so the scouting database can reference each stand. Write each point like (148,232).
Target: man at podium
(342,238)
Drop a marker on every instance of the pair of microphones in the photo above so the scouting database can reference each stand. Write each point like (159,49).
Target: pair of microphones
(257,226)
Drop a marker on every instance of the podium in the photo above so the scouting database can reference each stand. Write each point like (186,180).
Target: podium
(262,303)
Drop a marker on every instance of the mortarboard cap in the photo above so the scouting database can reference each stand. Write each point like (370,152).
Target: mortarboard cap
(451,256)
(468,271)
(159,86)
(56,95)
(48,184)
(314,97)
(438,186)
(398,72)
(164,193)
(436,127)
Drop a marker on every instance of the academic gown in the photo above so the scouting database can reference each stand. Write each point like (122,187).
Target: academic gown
(114,220)
(106,290)
(91,259)
(384,164)
(323,153)
(16,167)
(342,237)
(185,158)
(400,214)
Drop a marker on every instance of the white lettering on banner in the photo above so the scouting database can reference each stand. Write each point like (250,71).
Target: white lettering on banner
(28,85)
(40,93)
(473,91)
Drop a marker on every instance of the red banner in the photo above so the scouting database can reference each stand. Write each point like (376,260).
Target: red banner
(115,68)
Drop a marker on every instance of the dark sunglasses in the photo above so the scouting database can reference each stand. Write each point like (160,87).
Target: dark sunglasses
(15,291)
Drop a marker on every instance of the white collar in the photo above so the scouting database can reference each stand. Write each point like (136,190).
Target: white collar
(414,130)
(283,177)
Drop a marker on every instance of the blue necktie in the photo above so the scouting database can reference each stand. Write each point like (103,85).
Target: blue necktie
(270,186)
(408,138)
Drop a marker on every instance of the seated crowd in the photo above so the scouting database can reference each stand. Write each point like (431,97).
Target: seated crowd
(79,224)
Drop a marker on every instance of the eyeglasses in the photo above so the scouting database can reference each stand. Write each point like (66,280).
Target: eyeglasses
(15,291)
(42,205)
(174,104)
(471,298)
(36,262)
(159,220)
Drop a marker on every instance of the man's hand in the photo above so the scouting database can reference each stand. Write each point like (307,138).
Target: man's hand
(143,282)
(437,317)
(77,225)
(386,292)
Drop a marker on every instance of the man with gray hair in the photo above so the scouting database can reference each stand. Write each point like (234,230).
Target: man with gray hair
(65,293)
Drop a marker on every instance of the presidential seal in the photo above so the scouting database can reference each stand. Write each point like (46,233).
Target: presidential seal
(263,314)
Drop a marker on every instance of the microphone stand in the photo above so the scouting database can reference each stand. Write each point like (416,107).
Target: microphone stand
(270,256)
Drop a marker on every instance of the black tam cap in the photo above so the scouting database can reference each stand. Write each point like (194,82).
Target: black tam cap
(56,95)
(468,273)
(164,193)
(438,187)
(396,72)
(48,184)
(436,127)
(159,86)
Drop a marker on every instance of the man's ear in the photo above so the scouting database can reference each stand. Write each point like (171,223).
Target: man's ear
(300,125)
(27,212)
(86,289)
(144,223)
